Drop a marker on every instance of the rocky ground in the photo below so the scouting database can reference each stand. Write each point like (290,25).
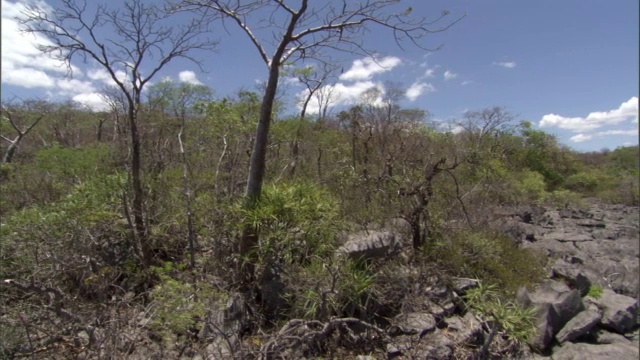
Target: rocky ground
(594,249)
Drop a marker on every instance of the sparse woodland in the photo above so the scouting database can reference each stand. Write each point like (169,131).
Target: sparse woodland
(98,264)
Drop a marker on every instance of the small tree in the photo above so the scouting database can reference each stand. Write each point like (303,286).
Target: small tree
(304,32)
(16,114)
(132,43)
(180,99)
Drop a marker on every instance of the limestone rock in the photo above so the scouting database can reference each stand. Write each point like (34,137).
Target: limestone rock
(578,326)
(619,312)
(556,304)
(582,351)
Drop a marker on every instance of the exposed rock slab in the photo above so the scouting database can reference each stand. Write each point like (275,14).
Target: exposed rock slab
(582,351)
(578,326)
(619,312)
(556,304)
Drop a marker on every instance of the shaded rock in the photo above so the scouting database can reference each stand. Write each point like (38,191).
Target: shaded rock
(462,285)
(224,324)
(619,312)
(273,291)
(439,346)
(556,304)
(434,309)
(591,223)
(439,293)
(572,236)
(437,352)
(371,244)
(606,337)
(578,326)
(449,307)
(465,330)
(572,275)
(365,357)
(418,323)
(582,351)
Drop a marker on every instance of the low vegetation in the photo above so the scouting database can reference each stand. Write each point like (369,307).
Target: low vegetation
(72,262)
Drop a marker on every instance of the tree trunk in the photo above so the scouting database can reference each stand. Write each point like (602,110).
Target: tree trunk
(138,194)
(249,238)
(259,154)
(11,150)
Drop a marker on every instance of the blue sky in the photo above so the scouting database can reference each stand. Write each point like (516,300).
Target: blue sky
(570,67)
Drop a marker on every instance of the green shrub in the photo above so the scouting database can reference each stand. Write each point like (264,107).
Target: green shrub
(73,164)
(87,221)
(588,183)
(512,320)
(595,291)
(54,173)
(488,256)
(295,221)
(565,199)
(180,307)
(329,287)
(527,187)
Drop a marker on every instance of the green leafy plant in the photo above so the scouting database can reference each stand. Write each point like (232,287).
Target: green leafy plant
(330,287)
(595,291)
(507,317)
(180,306)
(295,221)
(489,256)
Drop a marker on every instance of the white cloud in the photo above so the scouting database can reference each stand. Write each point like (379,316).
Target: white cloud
(22,63)
(99,74)
(449,75)
(74,86)
(506,64)
(364,69)
(581,138)
(628,111)
(341,94)
(417,89)
(104,76)
(467,82)
(26,77)
(189,77)
(584,137)
(630,132)
(430,73)
(93,101)
(457,129)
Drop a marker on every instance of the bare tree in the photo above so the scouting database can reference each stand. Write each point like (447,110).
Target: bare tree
(132,43)
(479,124)
(314,80)
(300,30)
(15,114)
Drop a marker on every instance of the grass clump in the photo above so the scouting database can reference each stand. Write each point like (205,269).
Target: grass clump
(595,291)
(330,287)
(508,318)
(489,256)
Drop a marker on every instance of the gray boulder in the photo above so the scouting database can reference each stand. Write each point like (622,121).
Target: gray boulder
(556,304)
(572,275)
(223,326)
(418,323)
(371,244)
(582,351)
(578,326)
(619,312)
(606,337)
(465,330)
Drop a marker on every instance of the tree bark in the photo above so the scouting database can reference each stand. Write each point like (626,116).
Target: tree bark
(138,192)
